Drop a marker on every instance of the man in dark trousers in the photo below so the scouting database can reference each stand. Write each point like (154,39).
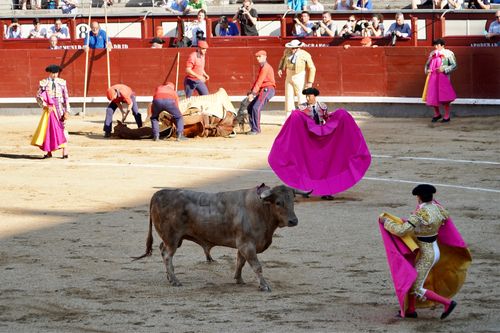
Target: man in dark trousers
(166,99)
(118,94)
(263,90)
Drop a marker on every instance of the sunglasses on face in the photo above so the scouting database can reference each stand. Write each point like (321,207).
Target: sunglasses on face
(352,20)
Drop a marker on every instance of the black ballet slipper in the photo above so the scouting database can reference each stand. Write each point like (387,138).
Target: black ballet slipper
(445,120)
(450,310)
(436,118)
(65,156)
(47,156)
(407,315)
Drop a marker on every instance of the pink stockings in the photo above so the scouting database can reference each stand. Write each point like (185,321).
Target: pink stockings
(432,296)
(446,111)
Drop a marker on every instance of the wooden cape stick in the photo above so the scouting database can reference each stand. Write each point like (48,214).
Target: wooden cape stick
(108,42)
(86,64)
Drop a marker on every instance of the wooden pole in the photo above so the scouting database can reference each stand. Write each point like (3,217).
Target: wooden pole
(107,41)
(86,64)
(177,72)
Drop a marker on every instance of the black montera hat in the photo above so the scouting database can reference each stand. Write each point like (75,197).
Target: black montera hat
(157,40)
(310,91)
(53,69)
(423,190)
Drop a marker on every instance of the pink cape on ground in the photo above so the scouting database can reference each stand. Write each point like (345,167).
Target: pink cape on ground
(446,277)
(326,159)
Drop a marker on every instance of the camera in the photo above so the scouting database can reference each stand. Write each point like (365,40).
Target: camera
(316,26)
(394,37)
(200,35)
(240,11)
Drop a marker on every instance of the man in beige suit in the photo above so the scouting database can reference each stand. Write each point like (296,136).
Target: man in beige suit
(300,72)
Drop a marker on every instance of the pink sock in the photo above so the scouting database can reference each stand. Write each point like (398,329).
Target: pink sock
(447,111)
(432,296)
(436,111)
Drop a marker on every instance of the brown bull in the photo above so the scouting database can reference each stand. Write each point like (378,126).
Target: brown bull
(242,219)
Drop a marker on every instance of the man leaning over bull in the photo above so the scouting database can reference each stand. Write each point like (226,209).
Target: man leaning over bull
(166,99)
(118,94)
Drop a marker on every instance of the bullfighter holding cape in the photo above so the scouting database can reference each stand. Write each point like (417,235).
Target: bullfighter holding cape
(319,151)
(427,256)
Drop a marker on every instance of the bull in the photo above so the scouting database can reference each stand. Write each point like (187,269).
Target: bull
(242,219)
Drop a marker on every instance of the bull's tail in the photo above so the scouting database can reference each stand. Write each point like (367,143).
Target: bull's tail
(149,240)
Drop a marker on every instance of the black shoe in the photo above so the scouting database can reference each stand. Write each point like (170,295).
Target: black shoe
(49,155)
(444,120)
(65,156)
(107,134)
(407,315)
(181,138)
(450,310)
(327,197)
(436,118)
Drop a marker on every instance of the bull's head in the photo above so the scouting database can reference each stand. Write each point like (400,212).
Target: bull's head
(281,200)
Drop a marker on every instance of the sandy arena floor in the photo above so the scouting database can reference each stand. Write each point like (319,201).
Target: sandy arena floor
(69,227)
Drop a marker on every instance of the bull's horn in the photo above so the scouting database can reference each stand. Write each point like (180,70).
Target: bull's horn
(265,194)
(302,192)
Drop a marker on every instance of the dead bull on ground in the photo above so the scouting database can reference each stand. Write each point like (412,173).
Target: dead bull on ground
(242,219)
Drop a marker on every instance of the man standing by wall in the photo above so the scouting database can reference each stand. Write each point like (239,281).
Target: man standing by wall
(295,62)
(247,16)
(195,71)
(262,92)
(98,38)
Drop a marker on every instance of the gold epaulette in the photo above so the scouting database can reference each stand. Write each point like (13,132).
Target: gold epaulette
(60,81)
(44,82)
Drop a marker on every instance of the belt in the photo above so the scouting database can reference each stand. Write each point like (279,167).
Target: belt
(427,239)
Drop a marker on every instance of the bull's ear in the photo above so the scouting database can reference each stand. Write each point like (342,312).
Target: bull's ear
(265,194)
(262,188)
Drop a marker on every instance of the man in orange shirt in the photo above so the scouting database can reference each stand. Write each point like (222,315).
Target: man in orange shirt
(166,99)
(195,71)
(118,94)
(263,90)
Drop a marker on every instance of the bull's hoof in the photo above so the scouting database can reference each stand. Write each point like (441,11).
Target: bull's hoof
(176,283)
(239,281)
(265,288)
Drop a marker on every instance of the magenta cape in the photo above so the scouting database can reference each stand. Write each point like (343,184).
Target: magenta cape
(439,89)
(326,159)
(446,277)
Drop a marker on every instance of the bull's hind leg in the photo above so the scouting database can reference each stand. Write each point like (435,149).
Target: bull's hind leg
(240,262)
(167,253)
(248,251)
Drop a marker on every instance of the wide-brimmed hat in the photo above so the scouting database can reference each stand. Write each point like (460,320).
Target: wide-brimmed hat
(53,69)
(294,44)
(310,91)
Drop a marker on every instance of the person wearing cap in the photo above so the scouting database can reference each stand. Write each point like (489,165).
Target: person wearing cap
(262,91)
(195,71)
(300,73)
(156,43)
(313,108)
(53,97)
(117,95)
(424,223)
(226,28)
(166,99)
(438,89)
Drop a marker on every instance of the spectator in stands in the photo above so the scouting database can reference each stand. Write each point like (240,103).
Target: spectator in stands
(176,6)
(297,5)
(453,4)
(436,4)
(247,16)
(326,26)
(58,29)
(479,4)
(348,28)
(316,6)
(226,28)
(98,38)
(303,26)
(375,27)
(156,43)
(196,5)
(13,30)
(68,6)
(197,29)
(365,42)
(494,29)
(399,29)
(38,4)
(363,5)
(53,43)
(37,31)
(343,5)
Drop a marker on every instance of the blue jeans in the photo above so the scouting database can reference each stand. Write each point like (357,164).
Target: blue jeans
(256,106)
(110,110)
(191,85)
(168,105)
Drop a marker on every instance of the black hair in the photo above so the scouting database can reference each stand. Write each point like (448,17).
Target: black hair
(438,41)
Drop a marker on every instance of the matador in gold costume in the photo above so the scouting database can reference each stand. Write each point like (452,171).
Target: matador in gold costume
(424,223)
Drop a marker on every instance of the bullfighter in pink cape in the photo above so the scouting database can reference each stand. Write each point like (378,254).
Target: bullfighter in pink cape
(438,90)
(319,151)
(428,258)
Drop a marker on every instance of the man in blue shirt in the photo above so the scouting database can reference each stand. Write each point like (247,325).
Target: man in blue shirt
(226,28)
(297,5)
(399,29)
(98,38)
